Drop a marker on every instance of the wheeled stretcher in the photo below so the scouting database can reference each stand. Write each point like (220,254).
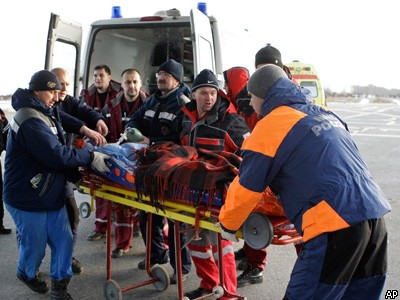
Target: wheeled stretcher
(259,230)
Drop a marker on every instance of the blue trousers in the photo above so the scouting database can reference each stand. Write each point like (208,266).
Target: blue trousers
(346,264)
(34,231)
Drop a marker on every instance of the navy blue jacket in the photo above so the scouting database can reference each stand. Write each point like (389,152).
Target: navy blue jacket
(37,159)
(72,111)
(75,108)
(160,116)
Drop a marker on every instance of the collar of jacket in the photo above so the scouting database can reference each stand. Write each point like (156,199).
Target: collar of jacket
(117,100)
(285,93)
(220,108)
(25,98)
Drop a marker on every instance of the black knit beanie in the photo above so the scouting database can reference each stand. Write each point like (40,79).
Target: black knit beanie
(174,68)
(44,81)
(268,55)
(263,79)
(205,78)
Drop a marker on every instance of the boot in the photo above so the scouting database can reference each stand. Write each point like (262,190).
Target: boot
(59,290)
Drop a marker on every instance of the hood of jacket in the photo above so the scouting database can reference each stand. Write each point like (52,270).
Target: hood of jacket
(285,93)
(24,98)
(236,79)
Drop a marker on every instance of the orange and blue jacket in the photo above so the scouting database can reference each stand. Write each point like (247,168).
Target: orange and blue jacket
(306,155)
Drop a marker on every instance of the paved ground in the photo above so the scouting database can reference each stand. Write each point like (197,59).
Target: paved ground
(376,129)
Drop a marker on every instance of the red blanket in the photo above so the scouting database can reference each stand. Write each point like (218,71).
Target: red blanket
(170,171)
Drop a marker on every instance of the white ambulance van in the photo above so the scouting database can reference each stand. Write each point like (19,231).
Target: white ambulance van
(143,43)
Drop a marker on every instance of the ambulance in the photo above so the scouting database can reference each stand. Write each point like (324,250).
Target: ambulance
(306,76)
(143,43)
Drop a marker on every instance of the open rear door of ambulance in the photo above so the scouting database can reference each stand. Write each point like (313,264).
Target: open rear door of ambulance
(63,49)
(203,47)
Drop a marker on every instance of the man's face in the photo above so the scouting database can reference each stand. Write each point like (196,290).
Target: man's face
(64,81)
(131,84)
(256,103)
(205,99)
(101,80)
(166,82)
(47,97)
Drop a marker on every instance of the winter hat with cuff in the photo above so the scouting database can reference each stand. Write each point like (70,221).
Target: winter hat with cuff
(174,68)
(268,55)
(263,79)
(205,78)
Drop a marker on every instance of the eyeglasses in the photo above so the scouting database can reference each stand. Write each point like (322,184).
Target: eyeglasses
(163,74)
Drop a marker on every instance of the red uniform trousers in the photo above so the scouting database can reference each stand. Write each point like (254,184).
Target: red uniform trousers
(125,218)
(256,258)
(204,254)
(101,215)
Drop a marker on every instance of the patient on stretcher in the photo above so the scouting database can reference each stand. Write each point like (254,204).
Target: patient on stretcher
(170,171)
(121,164)
(180,173)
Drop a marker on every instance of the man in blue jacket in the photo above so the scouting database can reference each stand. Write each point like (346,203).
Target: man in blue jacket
(37,165)
(159,119)
(306,155)
(94,121)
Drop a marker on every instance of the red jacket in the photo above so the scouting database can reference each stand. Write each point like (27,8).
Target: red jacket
(236,88)
(118,113)
(91,97)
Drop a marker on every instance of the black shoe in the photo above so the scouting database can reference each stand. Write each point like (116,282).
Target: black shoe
(136,231)
(244,265)
(173,278)
(76,266)
(142,264)
(37,284)
(4,230)
(239,255)
(197,293)
(250,276)
(118,252)
(59,290)
(95,236)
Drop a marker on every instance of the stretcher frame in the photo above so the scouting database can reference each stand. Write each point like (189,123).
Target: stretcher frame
(200,217)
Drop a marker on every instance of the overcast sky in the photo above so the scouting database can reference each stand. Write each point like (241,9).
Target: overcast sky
(350,42)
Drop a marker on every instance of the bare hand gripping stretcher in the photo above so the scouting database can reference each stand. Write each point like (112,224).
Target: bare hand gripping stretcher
(185,185)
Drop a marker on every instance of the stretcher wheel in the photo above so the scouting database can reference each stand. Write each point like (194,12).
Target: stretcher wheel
(218,291)
(84,210)
(112,291)
(163,278)
(258,231)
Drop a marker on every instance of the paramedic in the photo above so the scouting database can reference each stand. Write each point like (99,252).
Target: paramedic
(94,120)
(159,119)
(34,184)
(103,89)
(117,113)
(308,158)
(211,122)
(252,261)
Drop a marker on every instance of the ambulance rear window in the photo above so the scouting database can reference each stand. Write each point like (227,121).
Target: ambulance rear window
(143,47)
(311,86)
